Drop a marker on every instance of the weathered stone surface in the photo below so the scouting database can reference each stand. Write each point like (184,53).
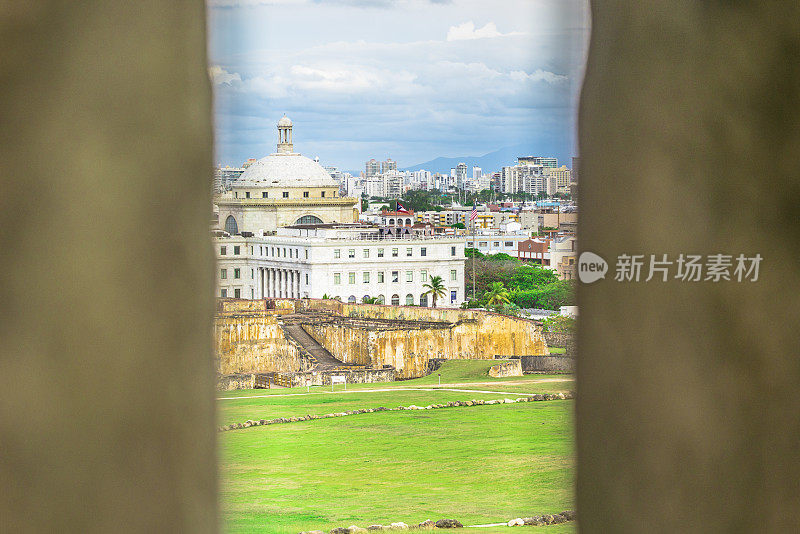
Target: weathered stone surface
(548,519)
(509,368)
(448,523)
(570,515)
(427,525)
(558,518)
(398,526)
(516,522)
(340,530)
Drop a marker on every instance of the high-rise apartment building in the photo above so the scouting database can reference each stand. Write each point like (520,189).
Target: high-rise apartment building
(388,166)
(373,168)
(544,161)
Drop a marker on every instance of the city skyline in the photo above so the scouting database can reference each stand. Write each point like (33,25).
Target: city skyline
(412,80)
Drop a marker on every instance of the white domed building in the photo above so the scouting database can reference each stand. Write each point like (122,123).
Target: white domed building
(283,189)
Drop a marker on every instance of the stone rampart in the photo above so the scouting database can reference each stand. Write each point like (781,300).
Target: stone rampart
(473,335)
(547,364)
(253,344)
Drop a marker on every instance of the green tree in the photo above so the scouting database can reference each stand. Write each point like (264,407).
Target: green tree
(435,288)
(370,300)
(497,295)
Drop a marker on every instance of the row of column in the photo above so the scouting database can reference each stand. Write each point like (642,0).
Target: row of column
(279,283)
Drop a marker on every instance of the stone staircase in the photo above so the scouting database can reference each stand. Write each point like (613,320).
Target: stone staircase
(323,360)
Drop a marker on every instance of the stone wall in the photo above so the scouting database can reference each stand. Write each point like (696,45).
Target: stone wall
(253,344)
(472,335)
(560,339)
(353,376)
(509,368)
(547,364)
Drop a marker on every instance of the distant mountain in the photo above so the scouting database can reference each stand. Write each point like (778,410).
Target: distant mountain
(491,162)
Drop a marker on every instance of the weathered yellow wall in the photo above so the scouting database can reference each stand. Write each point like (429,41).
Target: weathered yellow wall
(482,336)
(253,344)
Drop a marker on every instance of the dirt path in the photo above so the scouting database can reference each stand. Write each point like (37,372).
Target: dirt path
(434,387)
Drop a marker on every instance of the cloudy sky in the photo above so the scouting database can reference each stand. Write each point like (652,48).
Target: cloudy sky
(406,79)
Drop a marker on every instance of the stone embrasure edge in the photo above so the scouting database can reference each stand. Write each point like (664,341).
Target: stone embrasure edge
(452,404)
(538,520)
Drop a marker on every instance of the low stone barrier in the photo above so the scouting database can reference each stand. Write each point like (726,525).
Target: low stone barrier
(547,364)
(452,404)
(547,519)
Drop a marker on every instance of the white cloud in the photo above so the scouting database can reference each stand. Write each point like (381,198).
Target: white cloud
(467,31)
(219,75)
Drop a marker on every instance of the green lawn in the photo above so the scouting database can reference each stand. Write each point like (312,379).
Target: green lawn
(481,464)
(557,350)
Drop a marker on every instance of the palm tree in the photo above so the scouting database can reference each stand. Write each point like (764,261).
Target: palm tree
(435,288)
(370,300)
(497,295)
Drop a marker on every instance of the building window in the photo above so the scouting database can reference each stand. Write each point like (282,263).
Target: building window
(251,251)
(237,293)
(247,194)
(381,299)
(366,277)
(395,252)
(252,274)
(237,273)
(453,275)
(223,293)
(264,194)
(351,278)
(223,274)
(236,251)
(395,300)
(351,253)
(252,293)
(496,244)
(380,277)
(306,253)
(337,278)
(308,219)
(351,299)
(395,276)
(452,251)
(482,243)
(409,300)
(230,225)
(409,276)
(423,275)
(509,243)
(305,194)
(409,251)
(337,253)
(380,252)
(323,194)
(423,252)
(223,251)
(366,253)
(453,296)
(285,194)
(306,278)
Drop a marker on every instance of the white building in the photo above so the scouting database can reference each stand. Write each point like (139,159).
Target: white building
(499,242)
(345,261)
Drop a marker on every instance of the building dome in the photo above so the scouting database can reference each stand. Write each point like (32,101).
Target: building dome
(285,170)
(285,121)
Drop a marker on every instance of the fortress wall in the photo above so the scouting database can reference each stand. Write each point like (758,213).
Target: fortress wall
(409,350)
(351,345)
(253,344)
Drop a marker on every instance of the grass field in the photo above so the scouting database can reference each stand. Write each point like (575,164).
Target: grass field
(481,464)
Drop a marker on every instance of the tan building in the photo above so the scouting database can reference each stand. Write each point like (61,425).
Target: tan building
(564,256)
(283,189)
